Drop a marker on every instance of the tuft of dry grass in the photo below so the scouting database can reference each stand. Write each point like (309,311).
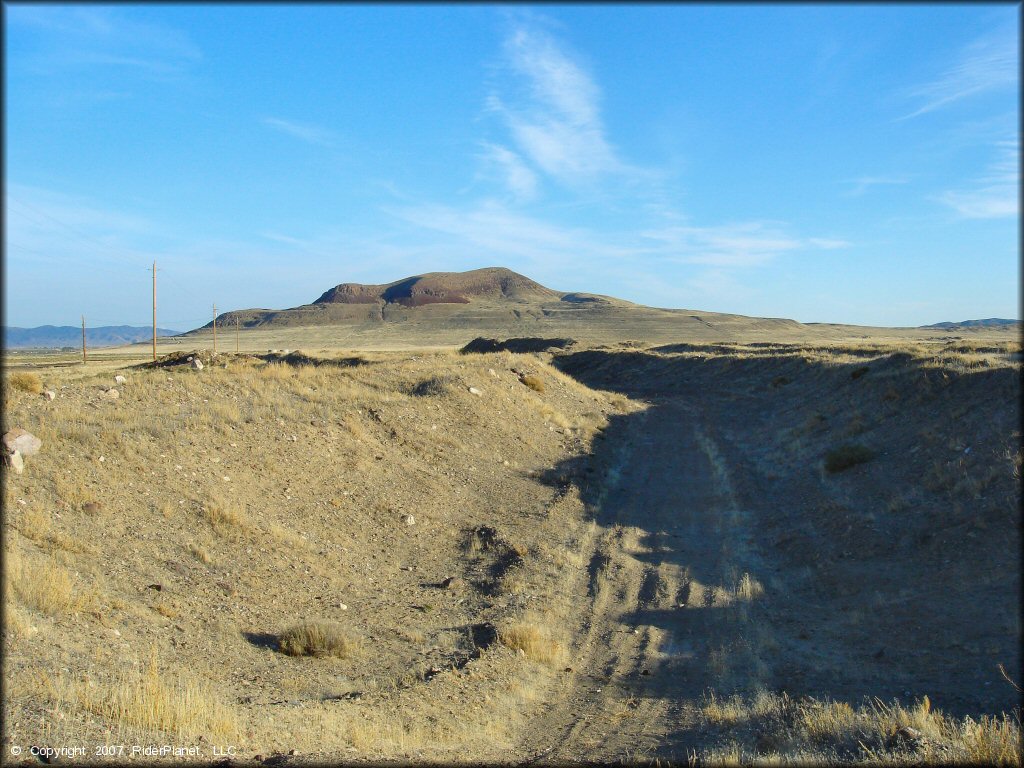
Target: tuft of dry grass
(45,586)
(533,382)
(534,640)
(318,639)
(25,381)
(200,553)
(226,517)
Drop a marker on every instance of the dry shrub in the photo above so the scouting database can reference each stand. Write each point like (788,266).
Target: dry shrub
(533,640)
(25,381)
(748,588)
(200,553)
(166,610)
(555,417)
(533,382)
(317,639)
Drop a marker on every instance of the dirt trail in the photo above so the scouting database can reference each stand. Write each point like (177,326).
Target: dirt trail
(667,616)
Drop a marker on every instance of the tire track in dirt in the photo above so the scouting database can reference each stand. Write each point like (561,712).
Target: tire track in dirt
(666,614)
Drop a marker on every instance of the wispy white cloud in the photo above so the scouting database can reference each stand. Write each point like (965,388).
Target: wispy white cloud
(89,36)
(732,245)
(555,120)
(311,134)
(828,243)
(986,64)
(862,184)
(44,221)
(520,180)
(994,195)
(493,228)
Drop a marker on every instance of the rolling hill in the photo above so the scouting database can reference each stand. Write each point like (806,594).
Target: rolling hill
(54,336)
(451,308)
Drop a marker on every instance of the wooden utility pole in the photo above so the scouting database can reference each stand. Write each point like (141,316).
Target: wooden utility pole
(154,311)
(84,358)
(215,329)
(236,334)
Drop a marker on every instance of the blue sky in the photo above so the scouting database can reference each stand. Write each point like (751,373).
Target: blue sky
(855,163)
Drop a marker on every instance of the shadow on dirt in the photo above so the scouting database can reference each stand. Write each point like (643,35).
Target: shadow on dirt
(264,640)
(853,604)
(300,358)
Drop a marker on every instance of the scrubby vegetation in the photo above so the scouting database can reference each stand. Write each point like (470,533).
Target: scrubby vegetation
(318,639)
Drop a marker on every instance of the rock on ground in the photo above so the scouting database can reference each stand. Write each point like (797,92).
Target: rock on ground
(18,440)
(14,461)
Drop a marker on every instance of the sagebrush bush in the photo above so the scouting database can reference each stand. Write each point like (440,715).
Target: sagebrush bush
(26,382)
(317,639)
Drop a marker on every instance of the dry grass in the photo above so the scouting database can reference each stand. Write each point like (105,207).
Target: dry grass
(318,639)
(533,382)
(227,517)
(534,640)
(153,701)
(24,381)
(836,732)
(200,553)
(748,588)
(45,586)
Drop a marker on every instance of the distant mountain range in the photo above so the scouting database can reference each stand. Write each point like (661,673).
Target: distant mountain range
(992,322)
(55,336)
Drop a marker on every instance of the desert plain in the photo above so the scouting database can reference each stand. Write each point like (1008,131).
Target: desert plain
(626,535)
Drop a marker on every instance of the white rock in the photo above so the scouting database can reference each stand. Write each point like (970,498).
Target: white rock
(197,364)
(19,440)
(475,391)
(15,462)
(49,394)
(119,379)
(410,520)
(342,606)
(111,394)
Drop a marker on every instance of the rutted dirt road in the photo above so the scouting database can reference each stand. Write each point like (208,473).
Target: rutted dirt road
(727,560)
(670,583)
